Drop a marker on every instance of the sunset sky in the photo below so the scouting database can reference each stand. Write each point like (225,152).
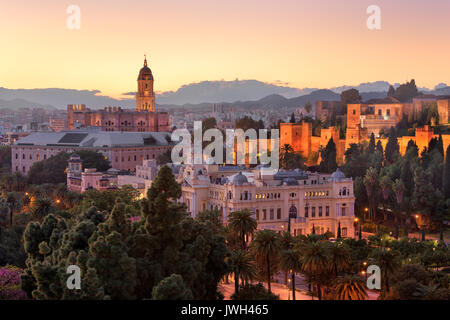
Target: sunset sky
(320,43)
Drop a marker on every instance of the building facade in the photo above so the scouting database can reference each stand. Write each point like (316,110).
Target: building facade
(124,150)
(278,201)
(144,119)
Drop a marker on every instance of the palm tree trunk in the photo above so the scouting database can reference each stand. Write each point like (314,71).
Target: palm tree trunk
(319,292)
(268,273)
(236,282)
(387,284)
(293,285)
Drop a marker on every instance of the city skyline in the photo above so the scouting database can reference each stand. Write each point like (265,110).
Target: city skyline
(303,45)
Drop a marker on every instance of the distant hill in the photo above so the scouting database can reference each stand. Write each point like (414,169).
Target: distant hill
(225,91)
(60,98)
(21,103)
(377,86)
(239,92)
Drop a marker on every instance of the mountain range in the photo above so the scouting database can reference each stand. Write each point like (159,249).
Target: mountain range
(251,93)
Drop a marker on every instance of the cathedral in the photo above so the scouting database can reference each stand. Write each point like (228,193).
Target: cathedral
(144,118)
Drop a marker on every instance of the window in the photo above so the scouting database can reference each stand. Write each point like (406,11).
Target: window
(313,212)
(320,211)
(344,232)
(271,214)
(264,214)
(379,112)
(257,214)
(17,156)
(343,211)
(327,211)
(306,212)
(279,213)
(354,111)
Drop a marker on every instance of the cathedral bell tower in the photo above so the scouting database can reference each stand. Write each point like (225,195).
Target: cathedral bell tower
(145,97)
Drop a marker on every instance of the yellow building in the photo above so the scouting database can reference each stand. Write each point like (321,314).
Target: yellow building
(301,199)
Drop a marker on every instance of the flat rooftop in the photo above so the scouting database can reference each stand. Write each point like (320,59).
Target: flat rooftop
(95,139)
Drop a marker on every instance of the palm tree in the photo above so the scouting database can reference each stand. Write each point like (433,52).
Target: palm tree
(42,207)
(291,261)
(350,288)
(286,151)
(339,256)
(315,263)
(243,224)
(371,183)
(286,243)
(242,265)
(427,292)
(267,247)
(399,188)
(389,263)
(385,185)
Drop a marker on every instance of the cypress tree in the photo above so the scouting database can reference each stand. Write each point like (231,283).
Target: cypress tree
(292,118)
(371,148)
(407,178)
(380,147)
(446,178)
(360,232)
(328,163)
(392,147)
(412,149)
(440,145)
(339,230)
(313,230)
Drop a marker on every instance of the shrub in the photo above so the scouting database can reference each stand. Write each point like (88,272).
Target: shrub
(10,287)
(254,292)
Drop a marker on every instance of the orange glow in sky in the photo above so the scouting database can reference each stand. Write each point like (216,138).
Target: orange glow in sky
(321,43)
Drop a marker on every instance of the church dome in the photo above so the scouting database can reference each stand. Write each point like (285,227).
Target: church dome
(239,179)
(338,175)
(145,73)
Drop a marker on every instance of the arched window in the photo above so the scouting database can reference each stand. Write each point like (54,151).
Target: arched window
(292,212)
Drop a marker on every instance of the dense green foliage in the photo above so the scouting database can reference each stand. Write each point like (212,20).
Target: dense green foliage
(53,169)
(121,259)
